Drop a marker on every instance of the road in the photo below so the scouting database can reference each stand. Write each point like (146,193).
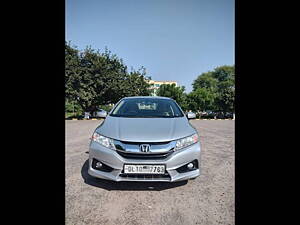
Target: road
(209,199)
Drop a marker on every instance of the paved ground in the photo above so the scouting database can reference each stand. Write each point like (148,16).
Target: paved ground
(209,199)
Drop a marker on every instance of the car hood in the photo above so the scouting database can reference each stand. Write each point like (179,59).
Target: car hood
(145,129)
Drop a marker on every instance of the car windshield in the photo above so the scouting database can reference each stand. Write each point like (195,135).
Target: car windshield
(147,107)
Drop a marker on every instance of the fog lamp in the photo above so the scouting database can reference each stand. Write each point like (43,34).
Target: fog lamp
(98,164)
(190,165)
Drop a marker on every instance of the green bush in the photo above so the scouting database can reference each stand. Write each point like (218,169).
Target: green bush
(70,107)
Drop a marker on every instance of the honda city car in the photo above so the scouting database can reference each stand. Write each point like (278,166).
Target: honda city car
(145,139)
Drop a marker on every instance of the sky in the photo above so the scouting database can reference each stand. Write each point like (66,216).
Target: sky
(173,39)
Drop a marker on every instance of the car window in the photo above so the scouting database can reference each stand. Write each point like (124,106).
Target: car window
(147,107)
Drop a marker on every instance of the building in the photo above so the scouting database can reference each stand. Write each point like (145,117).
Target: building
(156,84)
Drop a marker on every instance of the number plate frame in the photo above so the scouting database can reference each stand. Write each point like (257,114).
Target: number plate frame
(146,173)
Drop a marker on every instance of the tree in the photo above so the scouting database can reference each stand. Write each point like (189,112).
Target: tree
(136,83)
(94,78)
(205,80)
(171,91)
(201,99)
(218,87)
(225,88)
(225,97)
(224,73)
(72,72)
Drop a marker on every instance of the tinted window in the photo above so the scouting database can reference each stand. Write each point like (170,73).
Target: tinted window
(147,107)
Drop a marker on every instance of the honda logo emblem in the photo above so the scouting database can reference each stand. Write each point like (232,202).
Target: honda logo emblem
(145,148)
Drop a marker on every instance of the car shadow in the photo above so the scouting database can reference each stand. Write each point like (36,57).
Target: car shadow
(126,185)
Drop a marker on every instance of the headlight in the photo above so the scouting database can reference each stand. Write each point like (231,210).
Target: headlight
(106,142)
(187,141)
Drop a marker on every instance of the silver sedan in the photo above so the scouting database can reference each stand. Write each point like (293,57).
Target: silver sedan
(145,139)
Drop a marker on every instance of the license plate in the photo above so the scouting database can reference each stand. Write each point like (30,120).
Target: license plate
(144,169)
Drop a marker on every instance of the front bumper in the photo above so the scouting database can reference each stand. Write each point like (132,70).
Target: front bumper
(174,161)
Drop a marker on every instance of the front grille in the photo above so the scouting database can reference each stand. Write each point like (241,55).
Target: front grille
(151,143)
(132,155)
(165,176)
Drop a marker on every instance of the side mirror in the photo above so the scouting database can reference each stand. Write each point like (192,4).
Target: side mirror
(102,114)
(191,115)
